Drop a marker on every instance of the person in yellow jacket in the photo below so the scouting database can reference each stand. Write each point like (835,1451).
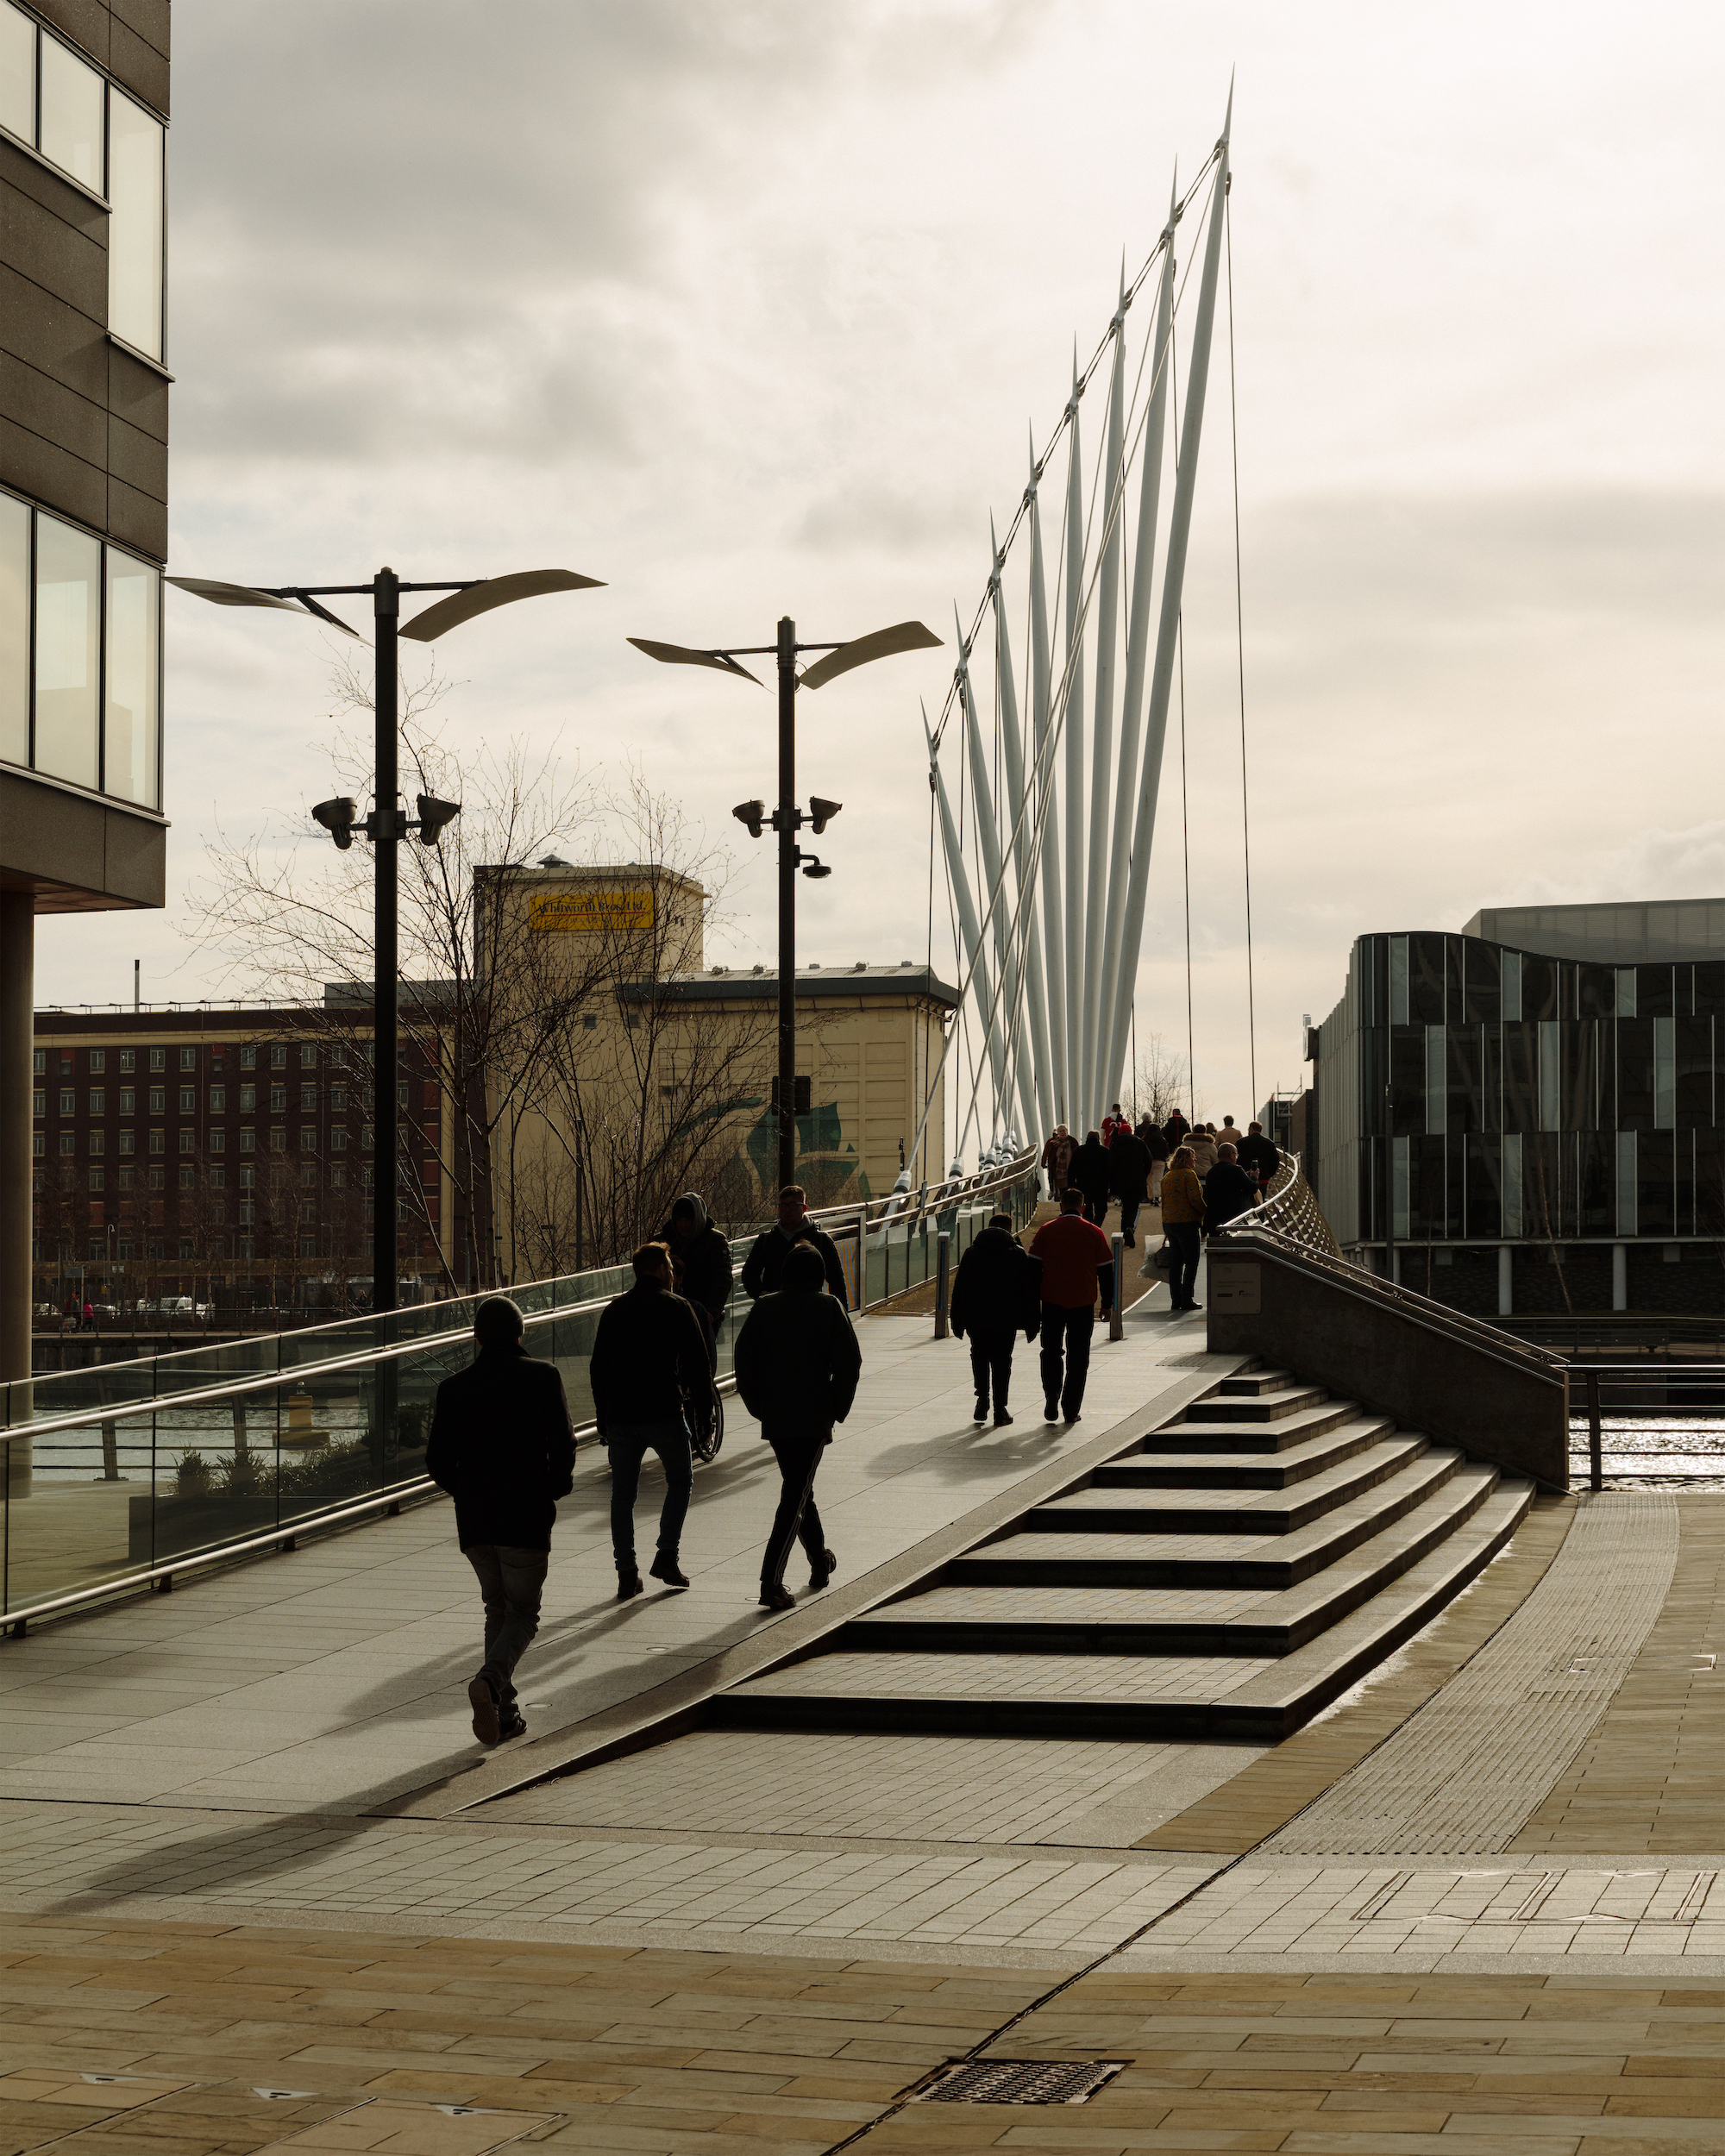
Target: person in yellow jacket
(1182,1217)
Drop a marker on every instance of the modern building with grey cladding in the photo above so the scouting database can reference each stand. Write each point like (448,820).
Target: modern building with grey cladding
(84,396)
(1533,1120)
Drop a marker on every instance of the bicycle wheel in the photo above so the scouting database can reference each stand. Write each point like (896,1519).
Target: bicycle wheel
(706,1447)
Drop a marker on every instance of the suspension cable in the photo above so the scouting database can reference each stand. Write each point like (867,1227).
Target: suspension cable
(1239,644)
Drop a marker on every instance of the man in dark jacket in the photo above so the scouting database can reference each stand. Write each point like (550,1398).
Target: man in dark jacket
(1129,1179)
(1228,1191)
(997,1289)
(1258,1155)
(649,1356)
(1175,1132)
(1077,1265)
(704,1256)
(1090,1175)
(763,1268)
(503,1445)
(797,1367)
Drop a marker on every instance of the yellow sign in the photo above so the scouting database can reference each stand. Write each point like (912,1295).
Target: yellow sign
(589,912)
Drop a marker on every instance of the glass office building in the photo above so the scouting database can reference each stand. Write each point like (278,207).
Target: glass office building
(1520,1128)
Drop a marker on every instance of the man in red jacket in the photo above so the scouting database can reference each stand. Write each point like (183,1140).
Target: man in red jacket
(1077,1262)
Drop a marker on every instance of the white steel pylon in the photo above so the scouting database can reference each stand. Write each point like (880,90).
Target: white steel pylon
(1060,879)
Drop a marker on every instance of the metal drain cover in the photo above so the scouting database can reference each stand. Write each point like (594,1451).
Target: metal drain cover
(1023,2081)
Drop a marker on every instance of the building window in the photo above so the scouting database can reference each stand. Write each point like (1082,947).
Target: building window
(249,1211)
(98,1141)
(308,1055)
(70,114)
(186,1178)
(338,1100)
(216,1245)
(277,1139)
(338,1141)
(1512,986)
(218,1099)
(367,1138)
(186,1250)
(68,1143)
(249,1177)
(124,1251)
(248,1100)
(158,1059)
(308,1213)
(65,1069)
(1665,1074)
(129,1059)
(308,1100)
(38,1101)
(188,1141)
(218,1141)
(248,1141)
(278,1100)
(127,1141)
(188,1059)
(247,1248)
(155,1178)
(308,1175)
(98,1061)
(98,1100)
(248,1058)
(1550,1075)
(39,1063)
(1398,981)
(98,1252)
(158,1142)
(338,1054)
(188,1100)
(308,1137)
(157,1249)
(278,1057)
(128,1177)
(158,1100)
(128,1100)
(1512,1181)
(136,227)
(68,1104)
(218,1177)
(95,1175)
(308,1246)
(39,1144)
(338,1179)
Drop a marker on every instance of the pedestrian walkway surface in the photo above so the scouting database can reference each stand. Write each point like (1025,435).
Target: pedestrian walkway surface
(264,1895)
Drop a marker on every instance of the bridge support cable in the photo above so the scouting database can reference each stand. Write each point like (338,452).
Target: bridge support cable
(1102,722)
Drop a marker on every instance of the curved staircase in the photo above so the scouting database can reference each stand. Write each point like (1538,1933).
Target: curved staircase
(1226,1576)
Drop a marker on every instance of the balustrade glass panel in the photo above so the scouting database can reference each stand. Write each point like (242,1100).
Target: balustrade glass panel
(129,752)
(134,231)
(68,651)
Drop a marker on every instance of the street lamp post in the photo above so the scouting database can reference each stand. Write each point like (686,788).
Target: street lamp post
(388,824)
(786,818)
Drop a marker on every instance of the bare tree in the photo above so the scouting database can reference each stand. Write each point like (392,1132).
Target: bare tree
(1153,1086)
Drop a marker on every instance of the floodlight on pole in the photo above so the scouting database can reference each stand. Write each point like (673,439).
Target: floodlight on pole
(388,824)
(787,819)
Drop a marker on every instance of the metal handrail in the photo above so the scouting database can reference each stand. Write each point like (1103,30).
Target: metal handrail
(1434,1317)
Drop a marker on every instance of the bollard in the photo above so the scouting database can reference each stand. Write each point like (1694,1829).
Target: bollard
(1595,1457)
(111,1450)
(1116,1314)
(943,1254)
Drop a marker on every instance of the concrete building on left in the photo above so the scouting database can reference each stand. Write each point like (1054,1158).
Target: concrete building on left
(84,396)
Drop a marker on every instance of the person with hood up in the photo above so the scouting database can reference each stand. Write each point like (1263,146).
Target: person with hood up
(1202,1142)
(1090,1175)
(763,1268)
(1129,1179)
(997,1289)
(503,1445)
(1057,1160)
(704,1256)
(648,1360)
(797,1367)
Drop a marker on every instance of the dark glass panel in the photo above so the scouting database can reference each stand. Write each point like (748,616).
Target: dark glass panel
(1694,1043)
(1541,1198)
(1483,993)
(1485,1189)
(1710,1183)
(1607,1074)
(1491,1079)
(1683,994)
(1425,980)
(1426,1192)
(1685,1181)
(1466,1047)
(1596,1160)
(1453,998)
(1539,987)
(1455,1186)
(1407,1079)
(1654,996)
(1520,1074)
(1655,1172)
(1710,989)
(1596,991)
(1635,1072)
(1581,1069)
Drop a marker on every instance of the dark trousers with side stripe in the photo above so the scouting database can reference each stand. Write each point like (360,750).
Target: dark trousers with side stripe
(798,1449)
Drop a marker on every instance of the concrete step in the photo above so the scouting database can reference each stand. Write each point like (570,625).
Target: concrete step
(1146,1697)
(1268,1408)
(1250,1384)
(1186,1619)
(1243,1560)
(1188,1437)
(1275,1508)
(1245,1470)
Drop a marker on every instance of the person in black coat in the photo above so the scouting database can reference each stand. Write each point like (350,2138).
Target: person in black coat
(763,1268)
(1228,1191)
(503,1445)
(1129,1177)
(996,1290)
(649,1359)
(1090,1175)
(797,1367)
(1175,1132)
(705,1257)
(1258,1155)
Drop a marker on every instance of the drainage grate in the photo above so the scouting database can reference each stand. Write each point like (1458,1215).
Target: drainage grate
(1023,2081)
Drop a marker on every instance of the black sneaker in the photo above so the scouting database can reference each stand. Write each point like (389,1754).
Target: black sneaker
(1072,1416)
(776,1598)
(513,1727)
(628,1584)
(982,1414)
(1001,1418)
(664,1567)
(1051,1411)
(821,1573)
(482,1698)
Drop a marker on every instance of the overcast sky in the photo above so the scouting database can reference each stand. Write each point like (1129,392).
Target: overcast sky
(744,305)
